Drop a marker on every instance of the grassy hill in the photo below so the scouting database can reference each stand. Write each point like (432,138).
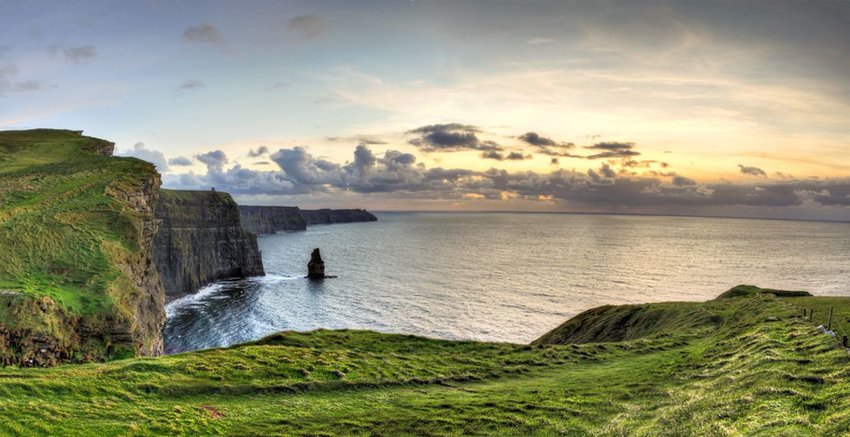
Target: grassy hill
(74,280)
(745,365)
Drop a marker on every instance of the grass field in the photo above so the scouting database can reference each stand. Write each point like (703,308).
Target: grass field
(751,365)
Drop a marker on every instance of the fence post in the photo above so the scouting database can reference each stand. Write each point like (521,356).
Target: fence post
(811,314)
(844,340)
(829,322)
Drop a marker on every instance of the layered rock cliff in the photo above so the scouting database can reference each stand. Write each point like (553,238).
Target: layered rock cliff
(331,216)
(272,219)
(201,240)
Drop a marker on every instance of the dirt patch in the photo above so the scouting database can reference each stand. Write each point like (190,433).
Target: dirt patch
(214,413)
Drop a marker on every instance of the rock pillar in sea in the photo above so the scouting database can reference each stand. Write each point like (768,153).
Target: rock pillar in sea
(316,267)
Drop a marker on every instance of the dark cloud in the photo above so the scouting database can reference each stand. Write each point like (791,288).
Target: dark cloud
(548,146)
(155,157)
(307,26)
(554,161)
(534,139)
(191,84)
(612,150)
(214,160)
(451,137)
(681,181)
(492,154)
(512,156)
(752,171)
(180,161)
(262,150)
(203,33)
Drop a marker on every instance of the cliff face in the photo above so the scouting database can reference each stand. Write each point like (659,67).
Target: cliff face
(272,219)
(330,216)
(201,240)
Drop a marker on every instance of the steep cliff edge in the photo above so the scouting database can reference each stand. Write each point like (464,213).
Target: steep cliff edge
(272,219)
(201,240)
(77,278)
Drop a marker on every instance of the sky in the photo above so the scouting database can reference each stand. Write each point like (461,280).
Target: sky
(696,108)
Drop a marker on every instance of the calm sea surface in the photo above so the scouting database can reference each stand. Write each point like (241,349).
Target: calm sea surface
(503,277)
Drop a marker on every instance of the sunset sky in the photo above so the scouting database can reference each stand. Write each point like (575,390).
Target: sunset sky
(713,108)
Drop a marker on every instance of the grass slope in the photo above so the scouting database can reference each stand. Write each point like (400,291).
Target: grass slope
(64,235)
(748,365)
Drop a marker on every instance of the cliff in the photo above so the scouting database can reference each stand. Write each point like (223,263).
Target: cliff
(201,240)
(331,216)
(77,278)
(272,219)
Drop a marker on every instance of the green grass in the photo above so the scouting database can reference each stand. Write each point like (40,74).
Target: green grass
(760,369)
(66,236)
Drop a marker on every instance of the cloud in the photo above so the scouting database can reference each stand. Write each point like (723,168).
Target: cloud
(214,160)
(359,139)
(512,156)
(612,150)
(180,161)
(277,86)
(262,150)
(539,41)
(76,55)
(606,188)
(554,161)
(452,137)
(8,84)
(307,27)
(548,146)
(681,181)
(752,171)
(191,84)
(536,140)
(140,151)
(203,33)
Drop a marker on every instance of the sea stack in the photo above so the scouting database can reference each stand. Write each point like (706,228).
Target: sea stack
(316,267)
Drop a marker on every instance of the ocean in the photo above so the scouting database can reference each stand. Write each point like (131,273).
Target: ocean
(505,277)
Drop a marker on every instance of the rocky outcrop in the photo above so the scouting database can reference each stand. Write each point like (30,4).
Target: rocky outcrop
(316,267)
(331,216)
(201,240)
(273,219)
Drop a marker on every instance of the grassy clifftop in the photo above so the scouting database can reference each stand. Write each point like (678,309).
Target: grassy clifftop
(759,368)
(74,223)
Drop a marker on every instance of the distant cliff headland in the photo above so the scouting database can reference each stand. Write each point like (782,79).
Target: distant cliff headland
(92,247)
(273,219)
